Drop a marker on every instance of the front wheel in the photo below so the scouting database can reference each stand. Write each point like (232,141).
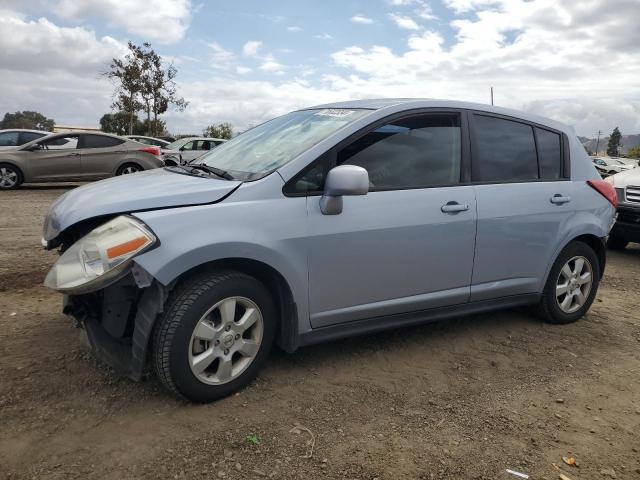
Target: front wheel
(572,284)
(215,334)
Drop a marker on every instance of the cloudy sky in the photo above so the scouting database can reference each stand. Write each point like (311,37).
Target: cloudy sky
(245,61)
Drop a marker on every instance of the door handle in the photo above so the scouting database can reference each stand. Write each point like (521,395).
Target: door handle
(454,207)
(560,199)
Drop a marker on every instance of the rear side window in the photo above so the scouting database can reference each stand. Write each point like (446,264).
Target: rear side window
(98,141)
(504,150)
(549,154)
(26,137)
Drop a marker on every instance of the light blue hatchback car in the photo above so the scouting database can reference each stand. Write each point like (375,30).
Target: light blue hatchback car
(327,222)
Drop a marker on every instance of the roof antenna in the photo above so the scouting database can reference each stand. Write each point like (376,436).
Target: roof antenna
(491,96)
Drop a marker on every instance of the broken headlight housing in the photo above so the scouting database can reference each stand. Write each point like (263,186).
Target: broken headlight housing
(101,257)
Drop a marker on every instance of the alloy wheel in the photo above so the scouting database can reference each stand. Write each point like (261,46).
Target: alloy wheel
(130,169)
(8,177)
(574,284)
(225,340)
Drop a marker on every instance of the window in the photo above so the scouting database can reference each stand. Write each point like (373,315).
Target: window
(99,141)
(26,137)
(419,151)
(60,143)
(8,139)
(504,150)
(189,146)
(549,154)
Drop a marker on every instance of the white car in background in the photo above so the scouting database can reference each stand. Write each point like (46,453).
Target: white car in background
(610,166)
(185,150)
(15,137)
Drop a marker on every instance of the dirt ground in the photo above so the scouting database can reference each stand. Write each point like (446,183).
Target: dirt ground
(460,399)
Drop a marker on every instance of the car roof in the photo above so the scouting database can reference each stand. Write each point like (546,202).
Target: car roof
(24,130)
(202,138)
(410,103)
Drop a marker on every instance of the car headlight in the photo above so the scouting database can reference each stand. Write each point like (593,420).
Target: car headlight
(100,257)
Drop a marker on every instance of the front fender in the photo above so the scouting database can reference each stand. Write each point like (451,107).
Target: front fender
(267,231)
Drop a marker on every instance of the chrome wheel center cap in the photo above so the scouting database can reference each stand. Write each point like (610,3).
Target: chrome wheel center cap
(227,340)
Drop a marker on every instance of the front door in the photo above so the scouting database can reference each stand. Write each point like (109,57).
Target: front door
(408,244)
(57,157)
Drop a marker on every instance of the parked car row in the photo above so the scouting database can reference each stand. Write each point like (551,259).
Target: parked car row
(36,156)
(610,165)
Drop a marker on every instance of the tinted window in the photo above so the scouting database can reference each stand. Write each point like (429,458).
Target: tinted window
(8,139)
(189,146)
(60,143)
(549,154)
(26,137)
(505,150)
(419,151)
(98,141)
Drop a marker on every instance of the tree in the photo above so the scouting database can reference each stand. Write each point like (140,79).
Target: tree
(120,123)
(634,152)
(222,130)
(614,143)
(126,74)
(27,119)
(143,83)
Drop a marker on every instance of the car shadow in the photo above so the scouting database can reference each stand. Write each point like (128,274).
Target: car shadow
(50,186)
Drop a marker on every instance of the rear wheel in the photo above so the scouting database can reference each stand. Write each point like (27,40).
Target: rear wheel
(617,243)
(572,284)
(128,168)
(10,177)
(214,335)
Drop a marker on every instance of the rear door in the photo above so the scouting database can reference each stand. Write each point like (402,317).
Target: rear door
(523,202)
(57,158)
(100,155)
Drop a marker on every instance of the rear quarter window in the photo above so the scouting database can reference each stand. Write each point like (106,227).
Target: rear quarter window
(549,154)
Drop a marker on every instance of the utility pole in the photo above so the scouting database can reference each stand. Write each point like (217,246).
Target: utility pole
(598,141)
(492,96)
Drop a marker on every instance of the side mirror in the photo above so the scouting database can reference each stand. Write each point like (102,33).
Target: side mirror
(342,180)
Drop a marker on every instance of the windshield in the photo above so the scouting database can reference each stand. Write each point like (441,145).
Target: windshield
(177,144)
(269,146)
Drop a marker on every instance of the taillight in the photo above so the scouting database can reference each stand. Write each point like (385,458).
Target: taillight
(152,150)
(606,190)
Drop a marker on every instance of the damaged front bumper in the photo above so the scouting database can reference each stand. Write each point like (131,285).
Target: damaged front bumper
(119,320)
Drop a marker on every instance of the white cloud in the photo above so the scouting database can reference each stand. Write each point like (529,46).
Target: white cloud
(323,36)
(243,70)
(251,48)
(405,22)
(294,28)
(271,66)
(220,56)
(164,21)
(41,46)
(362,19)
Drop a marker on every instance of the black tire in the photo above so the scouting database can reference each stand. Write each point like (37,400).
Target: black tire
(122,169)
(7,168)
(617,243)
(549,308)
(185,307)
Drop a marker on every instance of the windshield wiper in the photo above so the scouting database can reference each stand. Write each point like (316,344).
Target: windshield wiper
(216,171)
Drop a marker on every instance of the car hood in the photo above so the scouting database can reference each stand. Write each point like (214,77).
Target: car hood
(148,190)
(626,177)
